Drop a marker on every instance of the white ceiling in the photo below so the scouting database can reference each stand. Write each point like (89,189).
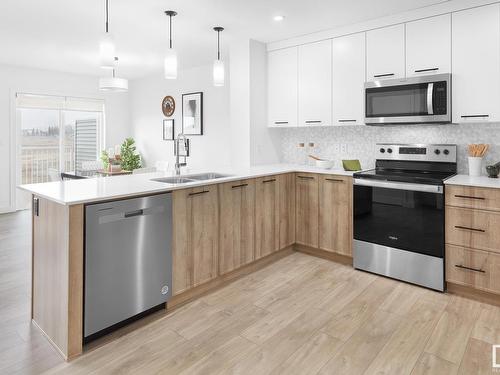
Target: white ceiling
(63,35)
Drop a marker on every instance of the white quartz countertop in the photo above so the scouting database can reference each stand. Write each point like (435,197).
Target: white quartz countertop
(105,188)
(480,181)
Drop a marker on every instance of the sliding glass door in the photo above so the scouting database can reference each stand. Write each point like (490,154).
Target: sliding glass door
(55,134)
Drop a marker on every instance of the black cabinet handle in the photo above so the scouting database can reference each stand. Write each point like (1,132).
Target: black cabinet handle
(383,75)
(198,193)
(469,197)
(36,206)
(347,120)
(471,229)
(469,268)
(334,180)
(281,122)
(238,186)
(267,181)
(474,116)
(306,177)
(313,121)
(426,70)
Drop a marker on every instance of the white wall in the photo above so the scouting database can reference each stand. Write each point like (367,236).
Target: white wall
(19,79)
(212,149)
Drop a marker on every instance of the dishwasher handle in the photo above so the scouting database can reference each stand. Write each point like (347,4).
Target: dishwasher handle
(134,213)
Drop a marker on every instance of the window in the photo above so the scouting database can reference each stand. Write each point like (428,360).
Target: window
(57,134)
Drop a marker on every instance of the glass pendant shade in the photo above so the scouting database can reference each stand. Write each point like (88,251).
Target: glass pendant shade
(170,64)
(114,84)
(219,73)
(107,52)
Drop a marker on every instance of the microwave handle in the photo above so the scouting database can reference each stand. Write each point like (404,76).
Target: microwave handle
(430,90)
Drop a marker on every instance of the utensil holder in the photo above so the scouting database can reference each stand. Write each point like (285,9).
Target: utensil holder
(475,166)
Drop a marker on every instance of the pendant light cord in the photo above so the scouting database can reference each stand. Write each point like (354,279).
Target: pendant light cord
(170,27)
(107,16)
(218,45)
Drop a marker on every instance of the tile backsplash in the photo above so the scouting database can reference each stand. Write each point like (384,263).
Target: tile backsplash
(358,142)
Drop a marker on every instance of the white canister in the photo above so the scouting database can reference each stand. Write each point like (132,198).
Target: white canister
(475,166)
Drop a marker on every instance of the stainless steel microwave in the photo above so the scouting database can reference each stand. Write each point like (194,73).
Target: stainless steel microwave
(417,100)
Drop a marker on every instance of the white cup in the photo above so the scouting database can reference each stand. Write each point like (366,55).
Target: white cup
(475,166)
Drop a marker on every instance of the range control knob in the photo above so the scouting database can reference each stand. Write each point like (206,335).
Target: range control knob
(437,152)
(382,150)
(389,150)
(446,152)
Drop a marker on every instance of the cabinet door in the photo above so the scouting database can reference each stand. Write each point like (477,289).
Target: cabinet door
(237,224)
(286,210)
(266,216)
(428,46)
(335,214)
(307,207)
(385,53)
(476,64)
(315,84)
(195,237)
(349,70)
(282,87)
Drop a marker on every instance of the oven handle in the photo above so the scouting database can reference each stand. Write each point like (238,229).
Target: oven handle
(399,185)
(430,90)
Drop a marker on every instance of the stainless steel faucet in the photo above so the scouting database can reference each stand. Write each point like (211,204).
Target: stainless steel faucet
(178,155)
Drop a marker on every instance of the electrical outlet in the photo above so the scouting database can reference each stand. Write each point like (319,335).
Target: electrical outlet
(343,148)
(336,148)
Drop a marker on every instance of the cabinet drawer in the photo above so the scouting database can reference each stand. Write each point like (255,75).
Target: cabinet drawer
(478,269)
(473,197)
(473,228)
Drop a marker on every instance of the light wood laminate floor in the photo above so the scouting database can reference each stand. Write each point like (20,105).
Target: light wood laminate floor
(300,315)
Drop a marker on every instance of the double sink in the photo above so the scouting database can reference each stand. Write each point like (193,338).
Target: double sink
(190,178)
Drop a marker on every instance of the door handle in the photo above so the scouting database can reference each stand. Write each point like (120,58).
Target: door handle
(346,120)
(267,181)
(238,186)
(471,229)
(430,91)
(306,177)
(474,116)
(383,75)
(334,180)
(426,70)
(469,197)
(469,268)
(281,122)
(198,193)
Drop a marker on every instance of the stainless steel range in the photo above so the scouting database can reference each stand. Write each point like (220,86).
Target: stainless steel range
(399,213)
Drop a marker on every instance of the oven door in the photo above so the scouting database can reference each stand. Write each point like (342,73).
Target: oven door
(414,100)
(403,216)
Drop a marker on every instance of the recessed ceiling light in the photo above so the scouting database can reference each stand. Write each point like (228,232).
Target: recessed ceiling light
(278,18)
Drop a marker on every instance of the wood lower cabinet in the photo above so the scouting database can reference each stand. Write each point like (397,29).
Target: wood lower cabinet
(267,216)
(307,207)
(474,268)
(473,197)
(195,240)
(286,184)
(237,224)
(335,214)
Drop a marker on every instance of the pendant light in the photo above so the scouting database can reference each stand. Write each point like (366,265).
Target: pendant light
(170,62)
(218,64)
(113,83)
(107,45)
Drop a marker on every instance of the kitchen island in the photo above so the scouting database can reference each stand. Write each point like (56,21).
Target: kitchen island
(223,228)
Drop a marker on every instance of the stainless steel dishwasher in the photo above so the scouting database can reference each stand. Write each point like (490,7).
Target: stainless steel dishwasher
(128,260)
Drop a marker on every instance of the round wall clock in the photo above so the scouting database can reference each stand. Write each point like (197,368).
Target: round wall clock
(168,106)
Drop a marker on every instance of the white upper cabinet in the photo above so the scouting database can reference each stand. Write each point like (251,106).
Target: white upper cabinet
(349,79)
(315,84)
(428,46)
(476,64)
(282,87)
(385,53)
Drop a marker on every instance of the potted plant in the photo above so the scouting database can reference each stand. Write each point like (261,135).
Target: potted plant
(129,158)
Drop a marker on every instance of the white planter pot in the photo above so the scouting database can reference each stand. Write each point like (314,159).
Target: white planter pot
(475,166)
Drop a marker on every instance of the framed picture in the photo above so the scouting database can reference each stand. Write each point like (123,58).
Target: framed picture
(168,130)
(192,113)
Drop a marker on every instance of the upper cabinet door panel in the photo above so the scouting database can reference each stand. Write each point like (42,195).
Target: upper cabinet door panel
(315,84)
(385,53)
(476,64)
(428,46)
(349,71)
(282,87)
